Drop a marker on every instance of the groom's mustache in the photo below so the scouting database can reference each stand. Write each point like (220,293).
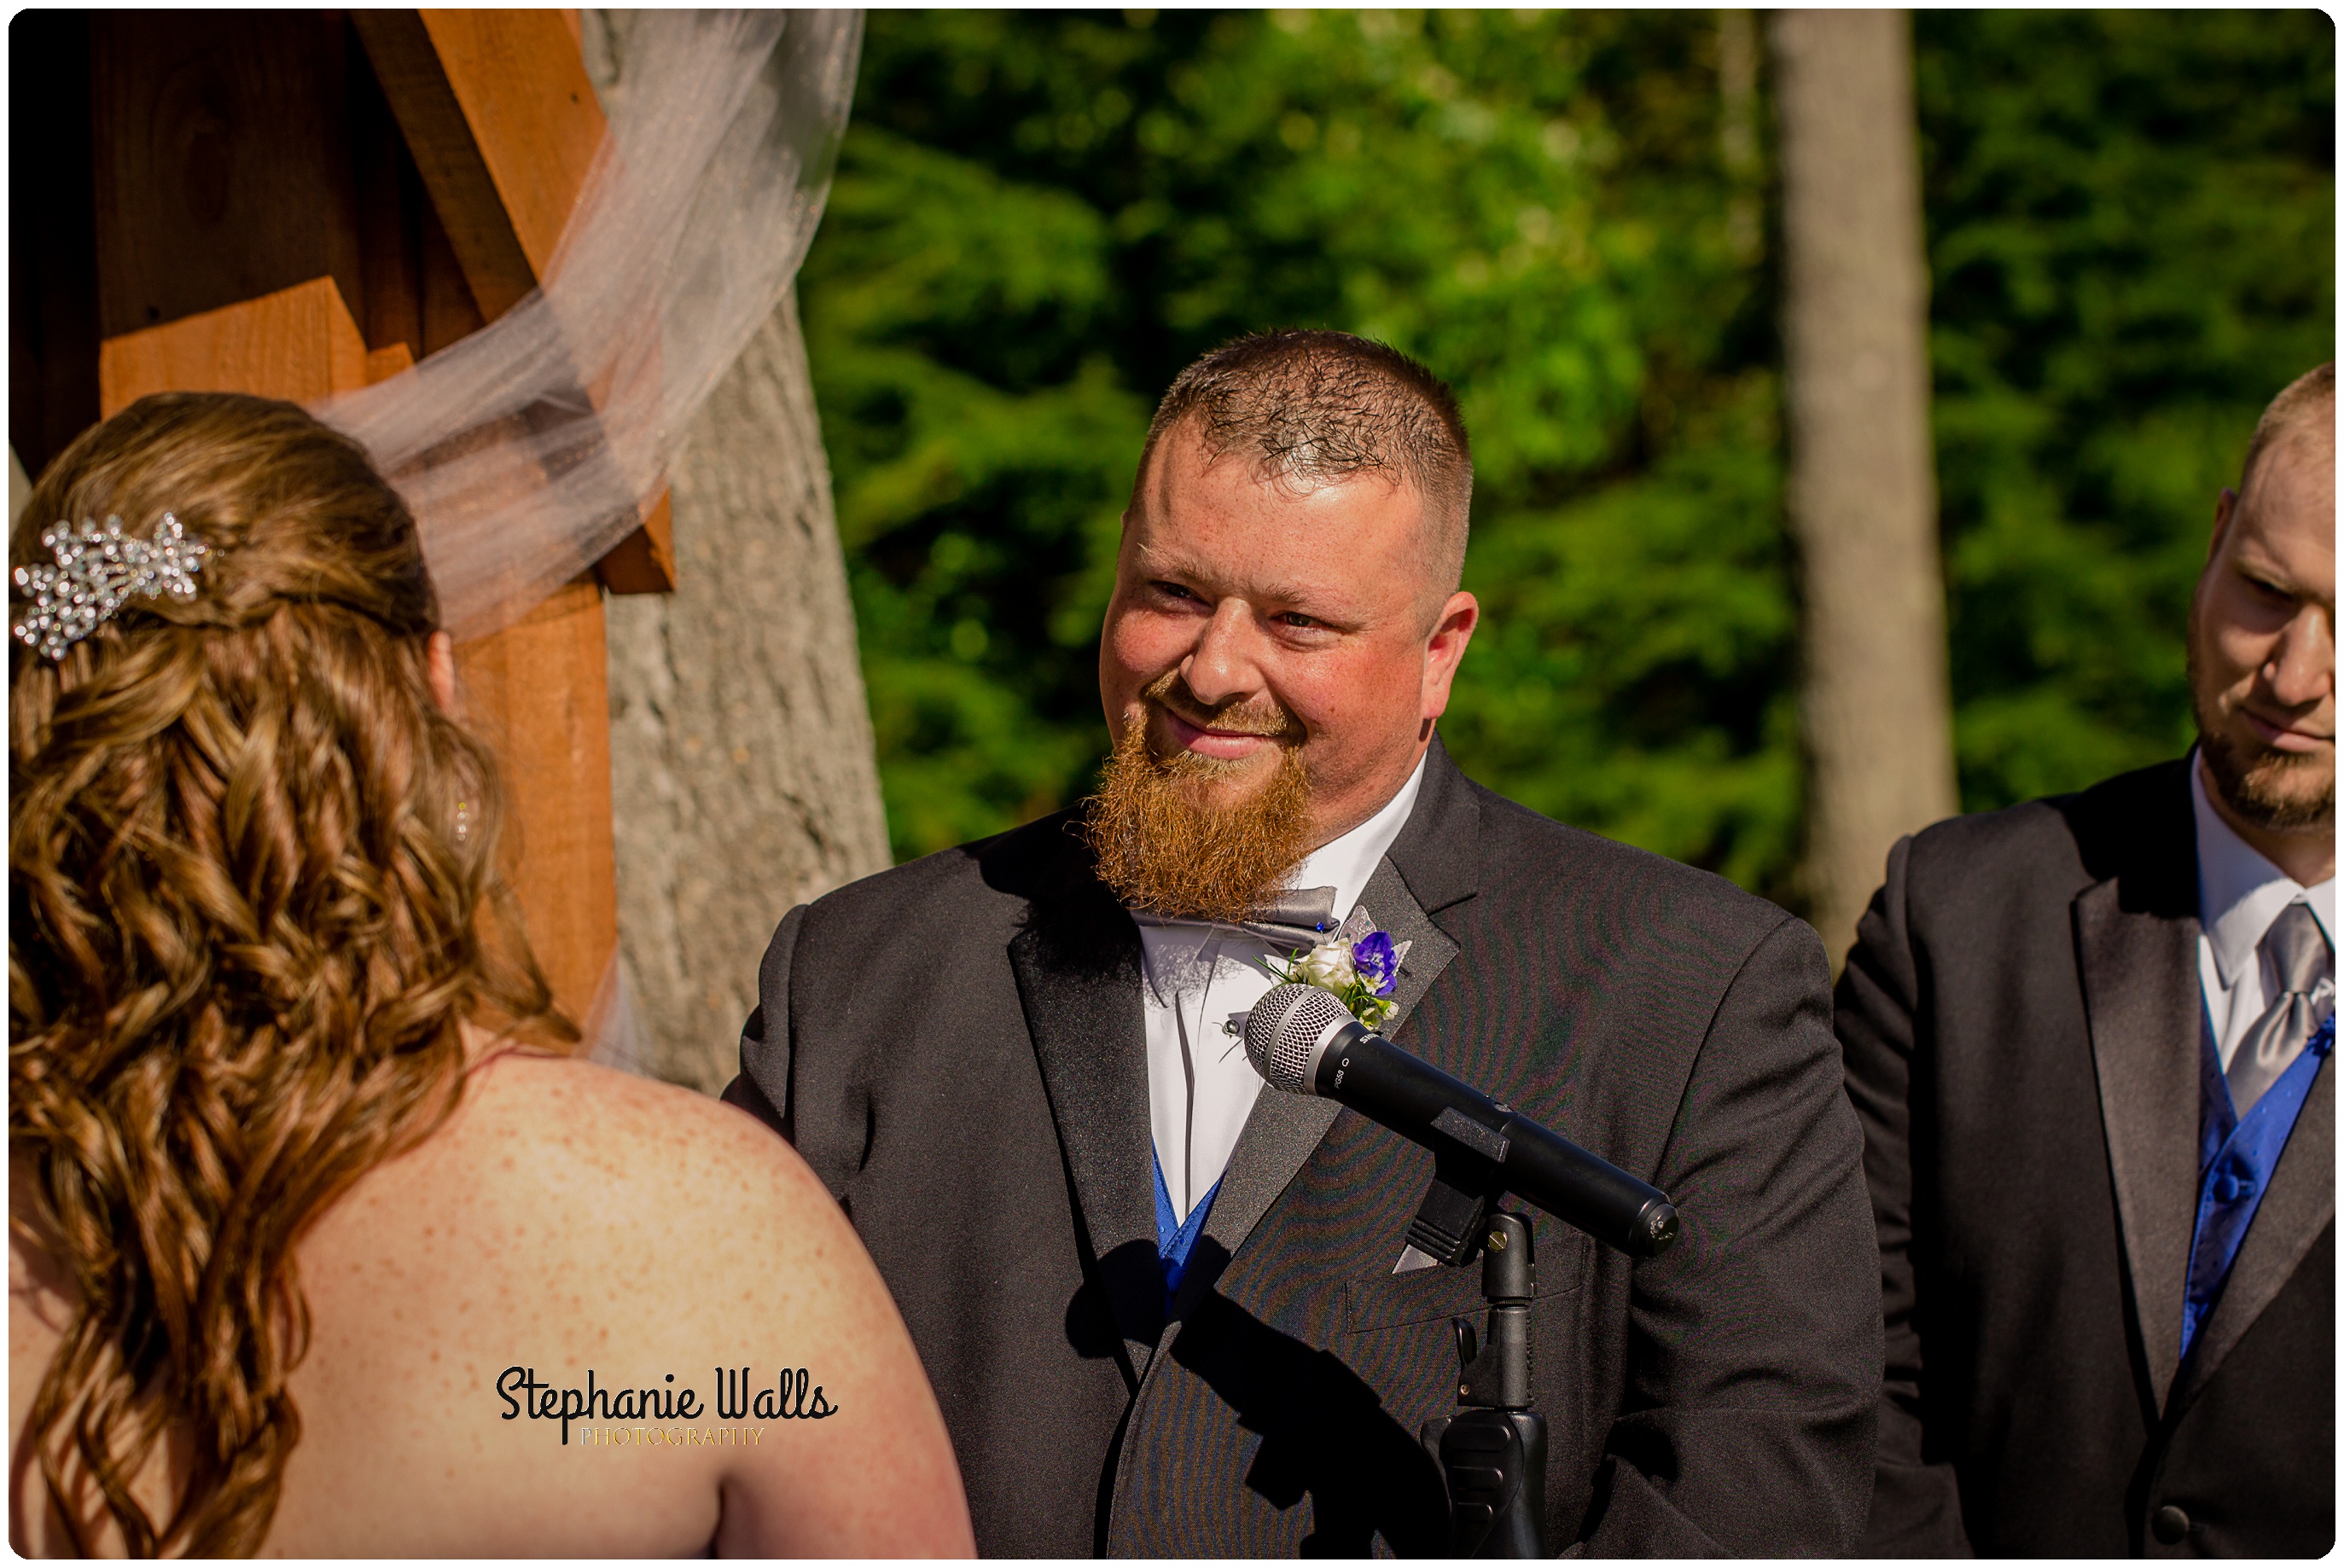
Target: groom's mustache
(1252,715)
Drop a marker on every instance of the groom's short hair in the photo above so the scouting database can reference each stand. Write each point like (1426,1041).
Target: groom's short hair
(2305,410)
(1315,408)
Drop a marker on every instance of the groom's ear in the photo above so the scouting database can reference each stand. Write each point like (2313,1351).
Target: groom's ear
(1445,650)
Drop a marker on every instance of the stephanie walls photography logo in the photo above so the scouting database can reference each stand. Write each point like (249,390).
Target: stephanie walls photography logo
(666,1413)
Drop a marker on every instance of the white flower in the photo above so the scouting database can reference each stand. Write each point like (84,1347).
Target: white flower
(1329,965)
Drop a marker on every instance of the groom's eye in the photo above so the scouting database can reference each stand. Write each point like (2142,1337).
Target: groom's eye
(1174,590)
(1295,618)
(2269,590)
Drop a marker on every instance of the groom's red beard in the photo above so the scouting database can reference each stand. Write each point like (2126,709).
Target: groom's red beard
(1165,843)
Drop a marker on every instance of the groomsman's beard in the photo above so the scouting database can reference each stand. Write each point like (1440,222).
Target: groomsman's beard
(2279,792)
(1165,844)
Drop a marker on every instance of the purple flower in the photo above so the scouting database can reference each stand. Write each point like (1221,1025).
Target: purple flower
(1376,965)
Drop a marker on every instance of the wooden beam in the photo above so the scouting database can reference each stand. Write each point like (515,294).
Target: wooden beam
(449,312)
(538,692)
(523,84)
(242,182)
(458,169)
(382,364)
(644,562)
(299,343)
(221,160)
(52,236)
(502,122)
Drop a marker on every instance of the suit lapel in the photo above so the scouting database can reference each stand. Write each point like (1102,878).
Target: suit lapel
(2140,993)
(1437,850)
(2300,1203)
(1433,864)
(1285,1127)
(1077,969)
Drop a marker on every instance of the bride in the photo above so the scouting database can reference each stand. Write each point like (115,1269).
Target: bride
(318,1244)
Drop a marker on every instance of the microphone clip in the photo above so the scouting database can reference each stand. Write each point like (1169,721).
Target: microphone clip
(1451,1223)
(1492,1451)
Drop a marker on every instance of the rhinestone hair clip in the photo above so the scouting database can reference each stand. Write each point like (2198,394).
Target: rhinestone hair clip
(98,571)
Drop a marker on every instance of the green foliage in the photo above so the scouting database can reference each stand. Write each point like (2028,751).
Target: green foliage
(1040,217)
(2131,236)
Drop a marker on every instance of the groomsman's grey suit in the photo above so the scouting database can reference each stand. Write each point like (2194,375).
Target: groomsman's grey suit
(2023,1025)
(956,1048)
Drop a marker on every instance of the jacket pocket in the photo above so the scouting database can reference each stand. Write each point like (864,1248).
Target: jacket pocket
(1437,1294)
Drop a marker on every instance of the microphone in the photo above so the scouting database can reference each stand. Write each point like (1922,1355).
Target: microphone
(1305,1041)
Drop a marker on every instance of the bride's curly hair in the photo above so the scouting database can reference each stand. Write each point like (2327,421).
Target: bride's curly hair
(254,886)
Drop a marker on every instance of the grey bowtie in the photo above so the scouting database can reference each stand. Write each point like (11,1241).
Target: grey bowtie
(1296,917)
(2302,958)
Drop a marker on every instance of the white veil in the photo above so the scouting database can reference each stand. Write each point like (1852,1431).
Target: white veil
(528,449)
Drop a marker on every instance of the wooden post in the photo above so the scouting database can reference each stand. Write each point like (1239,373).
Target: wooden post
(295,203)
(502,122)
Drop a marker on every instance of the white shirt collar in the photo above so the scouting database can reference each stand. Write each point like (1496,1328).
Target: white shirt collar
(1346,863)
(2240,893)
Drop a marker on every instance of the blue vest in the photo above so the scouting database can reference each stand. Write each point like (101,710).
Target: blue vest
(1174,1239)
(2236,1157)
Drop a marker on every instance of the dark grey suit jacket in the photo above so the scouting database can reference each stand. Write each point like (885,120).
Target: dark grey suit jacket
(2023,1027)
(956,1047)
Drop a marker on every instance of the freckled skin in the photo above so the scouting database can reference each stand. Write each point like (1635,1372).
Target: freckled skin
(570,1217)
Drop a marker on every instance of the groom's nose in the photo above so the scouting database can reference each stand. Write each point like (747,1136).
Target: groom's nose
(1225,665)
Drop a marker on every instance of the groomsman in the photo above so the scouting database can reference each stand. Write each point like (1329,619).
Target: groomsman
(1167,1310)
(2089,1039)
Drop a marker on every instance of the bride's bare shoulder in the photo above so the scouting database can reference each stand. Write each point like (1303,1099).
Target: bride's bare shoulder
(559,1101)
(548,1160)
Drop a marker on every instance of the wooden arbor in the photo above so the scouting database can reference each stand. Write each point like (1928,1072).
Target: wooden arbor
(295,203)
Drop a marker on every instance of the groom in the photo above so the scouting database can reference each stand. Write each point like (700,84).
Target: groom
(1167,1310)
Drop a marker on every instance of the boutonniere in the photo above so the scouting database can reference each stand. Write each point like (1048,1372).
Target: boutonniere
(1359,965)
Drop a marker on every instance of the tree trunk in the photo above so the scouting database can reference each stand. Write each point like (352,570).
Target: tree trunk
(1862,496)
(744,780)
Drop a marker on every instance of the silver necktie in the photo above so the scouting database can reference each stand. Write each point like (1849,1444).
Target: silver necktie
(2302,958)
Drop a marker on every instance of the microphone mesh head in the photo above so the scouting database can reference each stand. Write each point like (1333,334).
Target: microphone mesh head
(1283,1032)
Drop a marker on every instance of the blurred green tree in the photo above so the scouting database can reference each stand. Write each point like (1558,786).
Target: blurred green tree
(1039,218)
(2132,221)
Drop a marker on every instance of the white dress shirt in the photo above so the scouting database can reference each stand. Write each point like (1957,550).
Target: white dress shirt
(2240,894)
(1199,978)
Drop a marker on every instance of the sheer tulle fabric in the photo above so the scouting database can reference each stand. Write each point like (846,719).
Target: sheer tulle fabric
(528,449)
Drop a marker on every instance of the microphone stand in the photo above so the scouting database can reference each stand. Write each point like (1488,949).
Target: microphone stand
(1492,1451)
